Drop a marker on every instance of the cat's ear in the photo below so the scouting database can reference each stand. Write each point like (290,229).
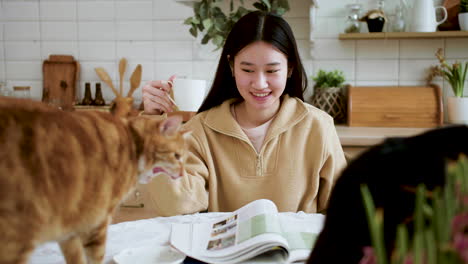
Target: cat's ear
(170,126)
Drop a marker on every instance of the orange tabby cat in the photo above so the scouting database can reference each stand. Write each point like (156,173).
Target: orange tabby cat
(62,174)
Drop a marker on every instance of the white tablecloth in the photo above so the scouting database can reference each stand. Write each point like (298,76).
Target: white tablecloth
(148,233)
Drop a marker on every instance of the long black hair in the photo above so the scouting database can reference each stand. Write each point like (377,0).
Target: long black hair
(256,26)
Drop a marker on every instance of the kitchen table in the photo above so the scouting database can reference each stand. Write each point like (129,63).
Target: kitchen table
(147,241)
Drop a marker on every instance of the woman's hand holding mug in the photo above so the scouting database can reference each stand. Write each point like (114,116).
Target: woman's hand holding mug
(156,98)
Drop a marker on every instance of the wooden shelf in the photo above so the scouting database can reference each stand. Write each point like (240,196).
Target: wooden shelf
(405,35)
(105,108)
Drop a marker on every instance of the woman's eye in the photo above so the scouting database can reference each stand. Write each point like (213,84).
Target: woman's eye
(247,70)
(272,71)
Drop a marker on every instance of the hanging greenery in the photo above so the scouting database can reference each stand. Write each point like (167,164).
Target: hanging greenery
(215,25)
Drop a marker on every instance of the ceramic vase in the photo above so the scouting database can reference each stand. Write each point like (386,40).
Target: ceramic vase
(463,21)
(457,110)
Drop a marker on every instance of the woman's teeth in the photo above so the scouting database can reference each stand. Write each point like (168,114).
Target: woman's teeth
(260,94)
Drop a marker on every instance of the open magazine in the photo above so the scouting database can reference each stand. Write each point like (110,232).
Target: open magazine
(255,232)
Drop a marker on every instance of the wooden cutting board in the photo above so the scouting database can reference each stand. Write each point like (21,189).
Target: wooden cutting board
(395,106)
(60,77)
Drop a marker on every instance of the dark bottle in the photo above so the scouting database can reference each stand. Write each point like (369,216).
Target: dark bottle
(98,100)
(87,100)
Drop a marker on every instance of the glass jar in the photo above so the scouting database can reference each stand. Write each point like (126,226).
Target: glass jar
(3,90)
(22,91)
(399,24)
(352,21)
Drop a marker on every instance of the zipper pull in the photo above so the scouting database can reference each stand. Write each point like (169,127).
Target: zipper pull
(259,166)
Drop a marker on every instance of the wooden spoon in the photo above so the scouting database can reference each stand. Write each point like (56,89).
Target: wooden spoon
(122,66)
(106,78)
(135,80)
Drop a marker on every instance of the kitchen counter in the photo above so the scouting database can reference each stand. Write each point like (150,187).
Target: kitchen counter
(356,140)
(368,136)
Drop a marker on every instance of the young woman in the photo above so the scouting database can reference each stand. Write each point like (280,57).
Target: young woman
(253,136)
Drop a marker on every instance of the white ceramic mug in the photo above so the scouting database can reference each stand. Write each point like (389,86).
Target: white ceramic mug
(189,94)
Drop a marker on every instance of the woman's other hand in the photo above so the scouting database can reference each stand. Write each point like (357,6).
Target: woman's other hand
(156,96)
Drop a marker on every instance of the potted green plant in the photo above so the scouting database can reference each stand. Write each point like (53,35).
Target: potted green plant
(463,15)
(329,93)
(455,75)
(214,23)
(440,222)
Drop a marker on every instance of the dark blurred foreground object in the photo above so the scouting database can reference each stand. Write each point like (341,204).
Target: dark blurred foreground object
(390,170)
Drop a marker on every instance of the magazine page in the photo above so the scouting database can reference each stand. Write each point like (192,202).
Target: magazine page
(301,231)
(247,232)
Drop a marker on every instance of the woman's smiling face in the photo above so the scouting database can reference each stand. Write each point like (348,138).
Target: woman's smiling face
(261,72)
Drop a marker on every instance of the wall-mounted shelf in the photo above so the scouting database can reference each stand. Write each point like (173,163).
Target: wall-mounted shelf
(405,35)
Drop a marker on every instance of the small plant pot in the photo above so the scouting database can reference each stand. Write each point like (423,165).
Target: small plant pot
(375,24)
(457,110)
(463,21)
(331,100)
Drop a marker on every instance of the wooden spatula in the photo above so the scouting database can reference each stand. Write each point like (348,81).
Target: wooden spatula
(106,78)
(135,80)
(122,67)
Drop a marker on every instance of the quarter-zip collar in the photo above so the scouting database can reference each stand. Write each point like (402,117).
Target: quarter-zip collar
(290,113)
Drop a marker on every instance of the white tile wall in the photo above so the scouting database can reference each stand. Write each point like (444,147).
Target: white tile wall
(376,49)
(20,10)
(415,69)
(378,70)
(59,30)
(1,30)
(21,70)
(173,50)
(333,49)
(57,10)
(151,32)
(59,47)
(134,10)
(134,30)
(420,49)
(92,10)
(22,50)
(97,50)
(22,31)
(163,70)
(171,10)
(170,30)
(2,70)
(105,30)
(456,48)
(136,50)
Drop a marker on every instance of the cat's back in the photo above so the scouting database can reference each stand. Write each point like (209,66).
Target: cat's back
(36,121)
(54,165)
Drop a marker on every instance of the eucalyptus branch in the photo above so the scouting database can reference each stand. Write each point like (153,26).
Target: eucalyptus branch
(214,24)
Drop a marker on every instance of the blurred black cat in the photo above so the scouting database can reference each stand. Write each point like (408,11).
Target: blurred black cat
(391,170)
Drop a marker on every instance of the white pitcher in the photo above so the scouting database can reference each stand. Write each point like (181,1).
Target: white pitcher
(423,16)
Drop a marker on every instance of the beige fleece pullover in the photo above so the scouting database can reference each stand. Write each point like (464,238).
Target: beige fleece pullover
(296,167)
